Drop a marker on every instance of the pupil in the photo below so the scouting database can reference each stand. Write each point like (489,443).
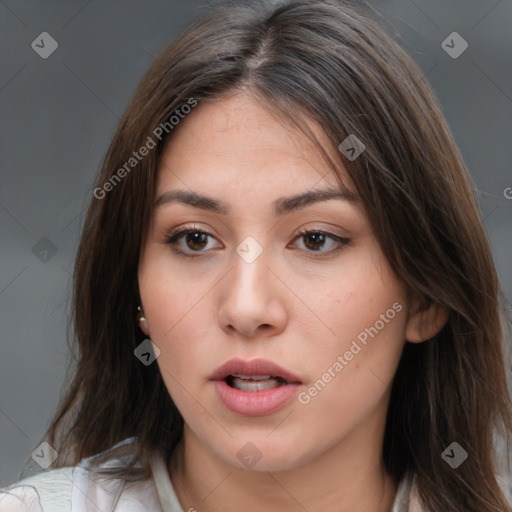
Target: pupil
(196,240)
(317,240)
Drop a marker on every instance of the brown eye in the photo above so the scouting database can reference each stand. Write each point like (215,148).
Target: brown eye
(192,242)
(196,240)
(314,241)
(320,242)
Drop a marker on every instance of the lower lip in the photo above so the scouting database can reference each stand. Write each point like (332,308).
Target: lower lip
(255,403)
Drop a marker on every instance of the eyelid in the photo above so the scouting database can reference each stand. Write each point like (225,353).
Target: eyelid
(187,228)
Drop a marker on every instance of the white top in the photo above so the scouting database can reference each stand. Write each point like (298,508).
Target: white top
(73,489)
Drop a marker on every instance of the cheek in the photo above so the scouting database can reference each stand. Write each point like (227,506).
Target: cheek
(353,362)
(363,301)
(179,320)
(181,333)
(350,377)
(182,329)
(171,298)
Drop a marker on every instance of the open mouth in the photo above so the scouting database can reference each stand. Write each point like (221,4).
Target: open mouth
(254,382)
(254,387)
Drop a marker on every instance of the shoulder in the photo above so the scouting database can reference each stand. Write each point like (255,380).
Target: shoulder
(47,491)
(84,488)
(408,497)
(505,482)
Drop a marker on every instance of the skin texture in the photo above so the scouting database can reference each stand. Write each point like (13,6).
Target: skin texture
(288,306)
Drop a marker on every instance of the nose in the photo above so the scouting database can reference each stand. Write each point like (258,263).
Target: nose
(252,301)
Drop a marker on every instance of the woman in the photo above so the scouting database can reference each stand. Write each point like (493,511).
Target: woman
(284,294)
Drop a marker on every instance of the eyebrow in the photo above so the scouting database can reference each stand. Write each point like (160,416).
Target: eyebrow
(282,205)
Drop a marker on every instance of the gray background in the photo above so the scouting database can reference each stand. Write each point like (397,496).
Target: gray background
(59,114)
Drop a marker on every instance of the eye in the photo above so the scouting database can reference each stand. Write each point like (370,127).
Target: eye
(321,241)
(189,240)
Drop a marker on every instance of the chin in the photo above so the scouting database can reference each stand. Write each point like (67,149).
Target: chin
(262,455)
(265,464)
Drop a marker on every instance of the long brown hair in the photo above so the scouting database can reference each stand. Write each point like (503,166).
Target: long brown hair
(326,62)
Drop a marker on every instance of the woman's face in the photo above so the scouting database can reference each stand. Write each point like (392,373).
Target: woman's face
(248,283)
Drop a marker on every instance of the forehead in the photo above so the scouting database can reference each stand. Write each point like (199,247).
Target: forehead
(235,141)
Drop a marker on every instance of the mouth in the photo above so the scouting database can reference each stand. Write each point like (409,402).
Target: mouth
(253,375)
(254,382)
(257,387)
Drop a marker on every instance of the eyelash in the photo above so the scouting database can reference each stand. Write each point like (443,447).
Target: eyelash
(175,236)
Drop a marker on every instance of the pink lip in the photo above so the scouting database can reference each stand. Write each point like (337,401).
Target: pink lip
(254,403)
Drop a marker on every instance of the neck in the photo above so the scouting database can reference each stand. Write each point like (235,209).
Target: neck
(348,477)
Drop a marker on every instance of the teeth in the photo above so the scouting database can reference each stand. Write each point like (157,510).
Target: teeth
(260,384)
(252,377)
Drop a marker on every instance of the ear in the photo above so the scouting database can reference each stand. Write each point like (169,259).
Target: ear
(425,322)
(142,322)
(144,327)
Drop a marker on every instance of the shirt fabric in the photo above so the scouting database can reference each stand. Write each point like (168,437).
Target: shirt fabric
(79,489)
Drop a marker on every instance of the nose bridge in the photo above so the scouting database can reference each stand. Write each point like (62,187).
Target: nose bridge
(250,269)
(249,299)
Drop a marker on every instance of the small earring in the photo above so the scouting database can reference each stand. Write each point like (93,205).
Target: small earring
(140,316)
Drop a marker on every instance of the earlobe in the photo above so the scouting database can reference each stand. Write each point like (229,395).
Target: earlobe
(424,324)
(142,322)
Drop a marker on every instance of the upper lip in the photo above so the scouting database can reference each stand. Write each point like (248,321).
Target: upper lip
(253,367)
